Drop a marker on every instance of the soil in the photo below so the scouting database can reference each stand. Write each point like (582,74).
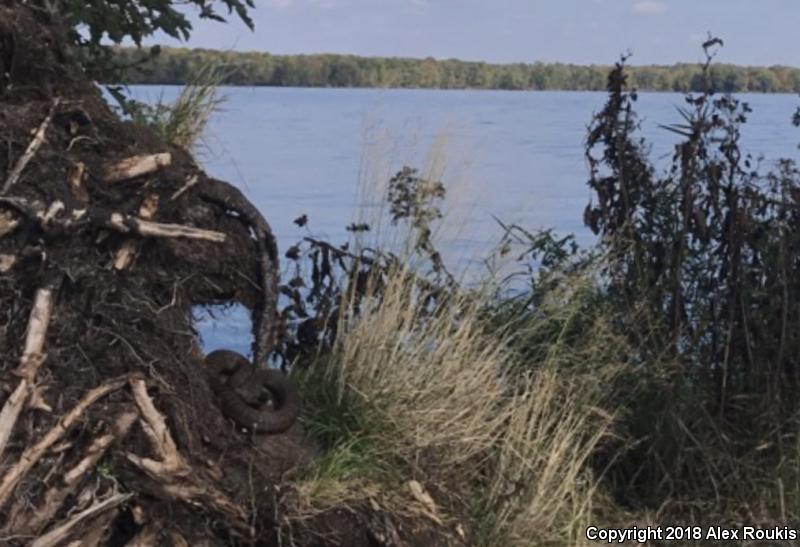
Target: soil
(133,322)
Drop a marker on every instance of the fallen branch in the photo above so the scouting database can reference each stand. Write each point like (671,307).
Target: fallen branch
(136,166)
(32,358)
(127,224)
(32,454)
(36,142)
(60,533)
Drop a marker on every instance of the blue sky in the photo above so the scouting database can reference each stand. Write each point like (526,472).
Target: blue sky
(757,32)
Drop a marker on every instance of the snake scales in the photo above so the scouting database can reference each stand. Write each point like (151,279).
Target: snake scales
(241,387)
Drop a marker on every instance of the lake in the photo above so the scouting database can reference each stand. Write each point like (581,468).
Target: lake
(517,156)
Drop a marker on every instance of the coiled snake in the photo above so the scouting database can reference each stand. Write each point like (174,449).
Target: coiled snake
(241,388)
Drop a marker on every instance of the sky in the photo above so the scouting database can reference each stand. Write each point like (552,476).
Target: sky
(756,32)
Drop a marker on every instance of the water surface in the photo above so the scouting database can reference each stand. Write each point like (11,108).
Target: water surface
(517,156)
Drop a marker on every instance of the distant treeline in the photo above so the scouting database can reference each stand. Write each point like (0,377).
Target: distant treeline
(175,65)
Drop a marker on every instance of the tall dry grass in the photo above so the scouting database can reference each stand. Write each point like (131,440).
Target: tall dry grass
(437,394)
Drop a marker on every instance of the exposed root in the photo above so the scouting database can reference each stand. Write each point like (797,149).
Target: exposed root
(146,537)
(173,475)
(62,532)
(8,223)
(32,454)
(194,179)
(32,358)
(55,497)
(36,142)
(137,166)
(76,183)
(127,251)
(98,530)
(126,224)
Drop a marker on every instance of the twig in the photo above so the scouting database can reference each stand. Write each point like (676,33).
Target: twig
(57,535)
(36,142)
(32,358)
(189,183)
(126,224)
(33,453)
(136,166)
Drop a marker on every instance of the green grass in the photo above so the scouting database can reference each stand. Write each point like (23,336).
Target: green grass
(183,122)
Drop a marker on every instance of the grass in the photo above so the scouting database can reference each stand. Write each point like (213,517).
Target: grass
(183,122)
(437,395)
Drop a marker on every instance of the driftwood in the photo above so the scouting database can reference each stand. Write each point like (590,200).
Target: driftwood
(36,142)
(136,166)
(32,358)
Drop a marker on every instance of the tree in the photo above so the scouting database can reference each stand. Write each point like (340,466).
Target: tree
(94,23)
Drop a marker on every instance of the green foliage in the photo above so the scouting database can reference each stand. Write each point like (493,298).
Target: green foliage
(117,20)
(703,275)
(183,121)
(93,24)
(262,69)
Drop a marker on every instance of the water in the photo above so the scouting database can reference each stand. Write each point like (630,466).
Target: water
(517,156)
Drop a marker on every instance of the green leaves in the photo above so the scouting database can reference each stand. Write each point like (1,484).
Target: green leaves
(95,23)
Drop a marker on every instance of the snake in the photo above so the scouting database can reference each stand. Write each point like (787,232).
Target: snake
(241,387)
(239,384)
